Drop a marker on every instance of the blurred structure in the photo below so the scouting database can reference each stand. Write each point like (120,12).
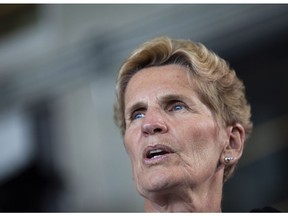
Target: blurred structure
(60,150)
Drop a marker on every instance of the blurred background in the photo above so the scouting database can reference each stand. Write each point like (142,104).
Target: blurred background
(59,148)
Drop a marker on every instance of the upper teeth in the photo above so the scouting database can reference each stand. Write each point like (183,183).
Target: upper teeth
(155,151)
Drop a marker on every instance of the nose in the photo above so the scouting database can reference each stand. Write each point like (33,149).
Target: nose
(153,124)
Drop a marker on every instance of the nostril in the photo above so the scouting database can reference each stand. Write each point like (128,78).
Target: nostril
(157,130)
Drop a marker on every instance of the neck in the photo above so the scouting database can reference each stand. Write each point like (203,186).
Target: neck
(204,198)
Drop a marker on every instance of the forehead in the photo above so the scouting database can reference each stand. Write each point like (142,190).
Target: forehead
(168,71)
(158,80)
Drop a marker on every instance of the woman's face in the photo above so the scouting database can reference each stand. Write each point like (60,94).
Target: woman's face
(171,136)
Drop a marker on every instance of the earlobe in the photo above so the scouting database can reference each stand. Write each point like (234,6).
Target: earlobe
(234,148)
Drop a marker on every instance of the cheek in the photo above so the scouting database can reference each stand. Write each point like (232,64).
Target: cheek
(198,131)
(130,143)
(200,139)
(127,145)
(200,150)
(130,147)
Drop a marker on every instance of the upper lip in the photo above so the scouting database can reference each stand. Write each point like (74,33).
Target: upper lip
(149,151)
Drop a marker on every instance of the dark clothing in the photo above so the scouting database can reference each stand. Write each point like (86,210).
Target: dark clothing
(265,209)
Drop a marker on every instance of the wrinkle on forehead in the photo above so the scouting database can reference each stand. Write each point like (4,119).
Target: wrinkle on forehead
(135,81)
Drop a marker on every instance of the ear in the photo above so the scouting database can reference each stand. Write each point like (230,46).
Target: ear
(234,147)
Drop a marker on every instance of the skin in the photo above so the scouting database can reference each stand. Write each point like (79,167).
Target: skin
(162,109)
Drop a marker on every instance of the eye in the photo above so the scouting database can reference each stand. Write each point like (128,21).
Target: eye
(178,107)
(137,115)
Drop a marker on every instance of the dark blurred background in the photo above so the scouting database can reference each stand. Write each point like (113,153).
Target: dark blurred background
(59,148)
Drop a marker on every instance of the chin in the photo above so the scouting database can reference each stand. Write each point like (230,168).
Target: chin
(156,181)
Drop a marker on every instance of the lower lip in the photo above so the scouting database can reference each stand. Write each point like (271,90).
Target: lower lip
(157,159)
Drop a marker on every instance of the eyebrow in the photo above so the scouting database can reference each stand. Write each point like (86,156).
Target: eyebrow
(134,107)
(173,97)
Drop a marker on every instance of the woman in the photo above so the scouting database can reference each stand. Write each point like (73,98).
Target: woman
(184,118)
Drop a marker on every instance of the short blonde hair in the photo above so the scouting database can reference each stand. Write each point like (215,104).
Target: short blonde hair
(217,84)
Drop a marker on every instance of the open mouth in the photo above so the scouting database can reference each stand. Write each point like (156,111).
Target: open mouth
(156,151)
